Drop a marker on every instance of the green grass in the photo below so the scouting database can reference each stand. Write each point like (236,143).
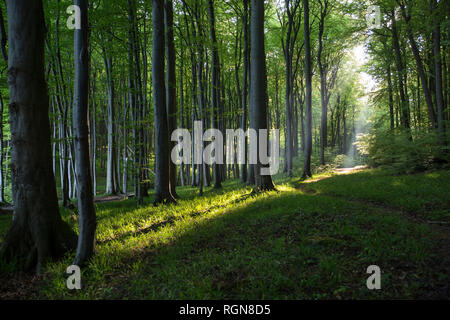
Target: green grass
(292,244)
(425,194)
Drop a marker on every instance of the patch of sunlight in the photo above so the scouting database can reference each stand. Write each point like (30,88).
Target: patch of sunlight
(320,177)
(285,187)
(398,183)
(434,175)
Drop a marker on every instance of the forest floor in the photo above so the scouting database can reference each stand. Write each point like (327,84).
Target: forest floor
(312,239)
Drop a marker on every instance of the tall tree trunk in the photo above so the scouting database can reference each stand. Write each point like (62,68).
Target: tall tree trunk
(344,136)
(2,182)
(438,74)
(171,98)
(323,71)
(244,111)
(93,139)
(111,187)
(37,232)
(391,97)
(400,75)
(86,210)
(295,123)
(132,98)
(258,89)
(162,182)
(181,123)
(308,97)
(215,90)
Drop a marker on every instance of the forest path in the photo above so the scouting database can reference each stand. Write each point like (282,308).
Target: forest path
(109,198)
(306,187)
(341,171)
(8,208)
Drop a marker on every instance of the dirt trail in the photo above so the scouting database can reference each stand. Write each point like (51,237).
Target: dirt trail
(341,171)
(118,197)
(350,170)
(8,209)
(4,210)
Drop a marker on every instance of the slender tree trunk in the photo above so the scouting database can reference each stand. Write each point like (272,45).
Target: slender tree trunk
(391,97)
(323,71)
(171,88)
(162,181)
(244,172)
(400,74)
(111,187)
(438,75)
(295,124)
(258,89)
(288,49)
(2,183)
(85,194)
(125,154)
(308,134)
(93,139)
(215,90)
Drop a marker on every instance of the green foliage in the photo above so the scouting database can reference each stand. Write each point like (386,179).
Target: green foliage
(399,151)
(339,160)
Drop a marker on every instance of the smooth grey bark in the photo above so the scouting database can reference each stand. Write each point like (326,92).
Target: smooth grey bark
(391,97)
(181,123)
(37,232)
(277,105)
(234,120)
(344,143)
(125,149)
(171,99)
(295,123)
(308,97)
(148,141)
(132,99)
(202,177)
(201,167)
(111,183)
(215,90)
(54,137)
(302,127)
(258,89)
(162,183)
(87,221)
(93,138)
(323,71)
(65,161)
(243,124)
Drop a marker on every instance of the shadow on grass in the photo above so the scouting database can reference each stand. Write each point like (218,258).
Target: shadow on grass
(286,245)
